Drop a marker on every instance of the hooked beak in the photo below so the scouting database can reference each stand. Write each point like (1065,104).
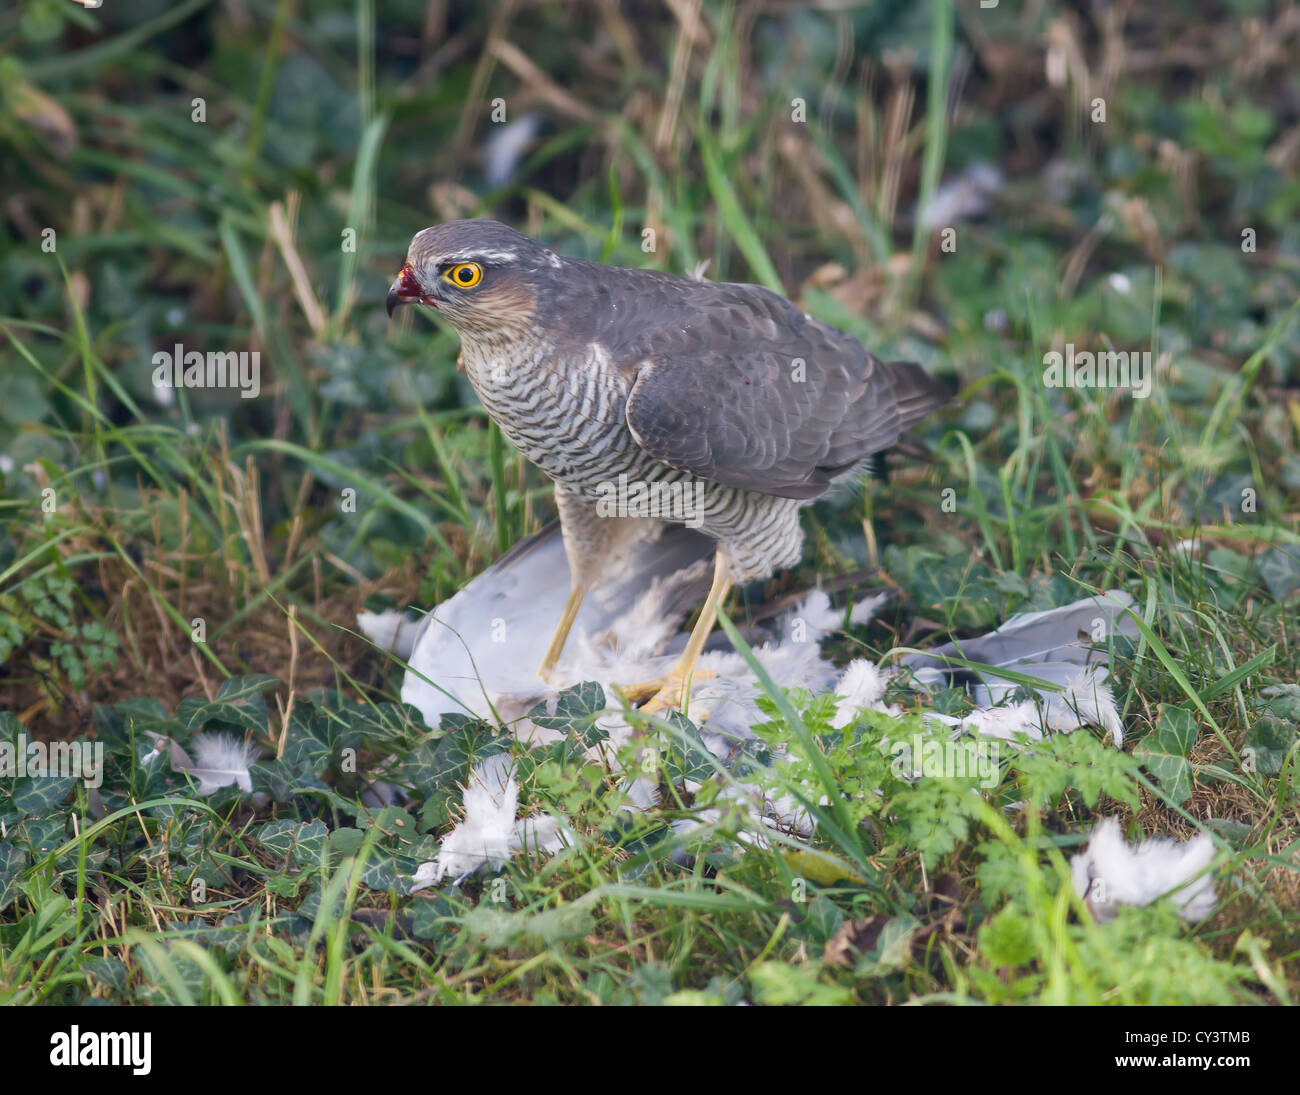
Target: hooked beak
(406,289)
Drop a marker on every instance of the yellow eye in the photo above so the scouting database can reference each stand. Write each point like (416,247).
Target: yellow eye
(464,275)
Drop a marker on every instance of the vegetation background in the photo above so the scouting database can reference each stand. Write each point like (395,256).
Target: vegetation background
(246,174)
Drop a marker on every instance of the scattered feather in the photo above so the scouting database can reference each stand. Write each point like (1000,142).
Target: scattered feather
(1111,873)
(219,760)
(964,197)
(1086,701)
(390,630)
(505,148)
(865,610)
(861,689)
(628,630)
(546,835)
(484,836)
(1005,723)
(489,834)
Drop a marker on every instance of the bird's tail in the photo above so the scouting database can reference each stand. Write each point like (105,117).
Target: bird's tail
(916,392)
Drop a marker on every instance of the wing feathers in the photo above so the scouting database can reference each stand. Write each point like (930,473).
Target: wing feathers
(736,384)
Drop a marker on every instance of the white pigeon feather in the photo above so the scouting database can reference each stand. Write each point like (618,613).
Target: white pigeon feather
(1086,701)
(861,688)
(1110,873)
(478,651)
(219,760)
(489,834)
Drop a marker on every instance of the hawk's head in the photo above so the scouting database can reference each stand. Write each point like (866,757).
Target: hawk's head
(481,275)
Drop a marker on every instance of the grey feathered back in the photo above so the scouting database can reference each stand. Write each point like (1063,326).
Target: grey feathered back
(736,384)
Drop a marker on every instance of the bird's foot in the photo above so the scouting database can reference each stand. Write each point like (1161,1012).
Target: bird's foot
(666,692)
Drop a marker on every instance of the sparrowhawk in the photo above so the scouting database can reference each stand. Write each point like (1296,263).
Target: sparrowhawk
(648,397)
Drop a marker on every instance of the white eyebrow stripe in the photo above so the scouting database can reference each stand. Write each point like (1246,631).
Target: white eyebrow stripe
(490,256)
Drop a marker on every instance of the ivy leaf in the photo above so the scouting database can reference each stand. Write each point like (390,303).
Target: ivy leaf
(344,842)
(299,844)
(892,950)
(378,726)
(35,795)
(239,689)
(385,871)
(395,826)
(1280,569)
(576,711)
(144,714)
(1267,744)
(239,702)
(283,783)
(435,917)
(107,971)
(778,983)
(315,740)
(42,834)
(439,763)
(13,862)
(1284,701)
(686,756)
(1163,752)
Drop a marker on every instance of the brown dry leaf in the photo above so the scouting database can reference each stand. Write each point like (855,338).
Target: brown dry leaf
(45,115)
(854,939)
(944,900)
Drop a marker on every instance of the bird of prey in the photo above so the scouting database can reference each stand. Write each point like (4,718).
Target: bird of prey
(650,398)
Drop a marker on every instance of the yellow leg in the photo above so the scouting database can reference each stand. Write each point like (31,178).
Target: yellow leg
(676,687)
(561,636)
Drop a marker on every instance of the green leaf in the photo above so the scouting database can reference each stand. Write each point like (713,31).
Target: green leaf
(932,817)
(1078,760)
(299,844)
(1006,940)
(1231,680)
(13,862)
(385,871)
(1284,701)
(316,740)
(40,795)
(146,714)
(438,764)
(345,842)
(1280,569)
(892,949)
(239,702)
(777,983)
(1267,744)
(1164,751)
(107,971)
(576,711)
(686,756)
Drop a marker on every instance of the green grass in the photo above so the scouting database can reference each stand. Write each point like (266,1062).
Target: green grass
(125,522)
